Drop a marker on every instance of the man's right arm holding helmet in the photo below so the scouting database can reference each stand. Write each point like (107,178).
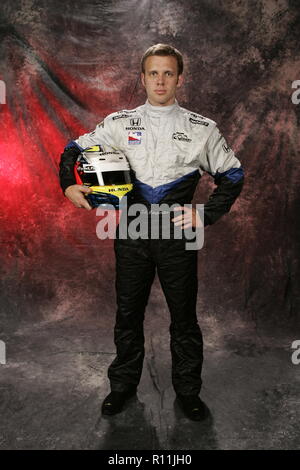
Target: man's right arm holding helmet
(73,191)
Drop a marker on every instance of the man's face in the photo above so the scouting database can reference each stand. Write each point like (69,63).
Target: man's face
(161,79)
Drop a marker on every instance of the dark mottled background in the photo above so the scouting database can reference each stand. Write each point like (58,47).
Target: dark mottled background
(67,64)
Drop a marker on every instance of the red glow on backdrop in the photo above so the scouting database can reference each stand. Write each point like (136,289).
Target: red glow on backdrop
(34,133)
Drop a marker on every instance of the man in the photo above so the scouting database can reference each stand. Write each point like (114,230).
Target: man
(172,148)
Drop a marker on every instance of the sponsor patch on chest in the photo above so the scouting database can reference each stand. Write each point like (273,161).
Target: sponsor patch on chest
(134,137)
(181,136)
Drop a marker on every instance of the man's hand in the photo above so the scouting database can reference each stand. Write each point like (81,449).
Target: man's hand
(189,218)
(75,193)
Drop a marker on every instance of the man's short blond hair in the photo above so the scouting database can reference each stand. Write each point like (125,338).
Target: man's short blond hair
(163,50)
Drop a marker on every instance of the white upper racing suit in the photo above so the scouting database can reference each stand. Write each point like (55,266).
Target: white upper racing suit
(168,149)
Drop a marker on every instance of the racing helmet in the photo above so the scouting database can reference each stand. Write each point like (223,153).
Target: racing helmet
(107,172)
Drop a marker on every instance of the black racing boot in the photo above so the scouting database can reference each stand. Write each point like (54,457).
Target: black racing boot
(192,406)
(115,401)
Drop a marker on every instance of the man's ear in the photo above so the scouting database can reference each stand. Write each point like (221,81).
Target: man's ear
(143,79)
(180,80)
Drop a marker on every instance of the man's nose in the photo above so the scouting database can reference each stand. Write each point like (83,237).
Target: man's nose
(160,78)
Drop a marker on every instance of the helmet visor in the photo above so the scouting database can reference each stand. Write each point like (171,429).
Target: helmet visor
(116,177)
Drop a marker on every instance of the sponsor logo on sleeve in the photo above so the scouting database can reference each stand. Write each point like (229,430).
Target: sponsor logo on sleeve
(120,116)
(128,111)
(196,121)
(197,116)
(124,113)
(226,147)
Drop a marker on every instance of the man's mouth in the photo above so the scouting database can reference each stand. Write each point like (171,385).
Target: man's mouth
(160,92)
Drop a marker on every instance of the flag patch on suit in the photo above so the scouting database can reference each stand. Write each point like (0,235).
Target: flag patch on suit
(134,137)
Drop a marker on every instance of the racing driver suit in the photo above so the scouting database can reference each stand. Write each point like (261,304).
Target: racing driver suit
(168,149)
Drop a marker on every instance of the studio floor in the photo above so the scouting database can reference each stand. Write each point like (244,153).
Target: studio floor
(55,378)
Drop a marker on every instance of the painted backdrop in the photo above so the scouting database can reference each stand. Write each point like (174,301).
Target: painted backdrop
(67,64)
